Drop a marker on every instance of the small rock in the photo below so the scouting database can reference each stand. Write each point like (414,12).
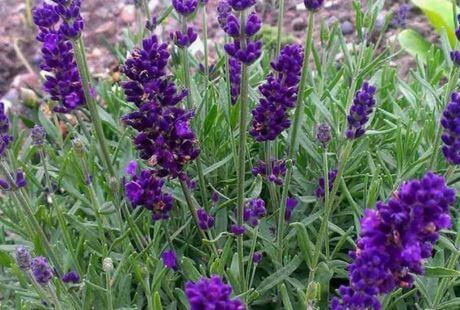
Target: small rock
(347,27)
(299,24)
(29,80)
(128,14)
(300,7)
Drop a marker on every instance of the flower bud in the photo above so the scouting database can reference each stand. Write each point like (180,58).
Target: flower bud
(107,265)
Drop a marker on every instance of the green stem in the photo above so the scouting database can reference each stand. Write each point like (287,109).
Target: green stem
(145,4)
(186,63)
(298,114)
(92,105)
(280,27)
(244,96)
(33,220)
(54,298)
(271,186)
(29,13)
(109,291)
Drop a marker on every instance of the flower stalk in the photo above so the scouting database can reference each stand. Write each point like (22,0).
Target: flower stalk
(298,114)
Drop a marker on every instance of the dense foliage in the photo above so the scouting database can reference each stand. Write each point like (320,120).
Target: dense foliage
(279,177)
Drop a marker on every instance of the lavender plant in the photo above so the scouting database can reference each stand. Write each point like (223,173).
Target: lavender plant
(145,192)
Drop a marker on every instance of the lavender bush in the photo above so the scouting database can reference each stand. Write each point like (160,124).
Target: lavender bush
(284,176)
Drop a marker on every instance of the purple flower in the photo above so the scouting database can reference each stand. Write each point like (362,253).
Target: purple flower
(145,189)
(183,40)
(457,31)
(165,137)
(250,51)
(45,16)
(69,12)
(23,258)
(62,79)
(151,24)
(131,168)
(237,230)
(71,277)
(253,24)
(396,239)
(455,57)
(278,171)
(169,259)
(235,78)
(38,135)
(257,257)
(4,185)
(246,55)
(323,133)
(313,5)
(240,5)
(5,138)
(253,211)
(291,203)
(205,221)
(20,179)
(400,16)
(215,197)
(362,107)
(211,293)
(271,116)
(320,191)
(450,121)
(185,7)
(41,270)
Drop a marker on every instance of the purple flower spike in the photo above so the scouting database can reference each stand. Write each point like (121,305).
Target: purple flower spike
(237,230)
(400,17)
(23,258)
(235,78)
(169,259)
(240,5)
(313,5)
(323,133)
(253,211)
(362,107)
(4,185)
(395,241)
(257,257)
(184,40)
(291,203)
(215,197)
(320,191)
(71,277)
(165,137)
(38,135)
(271,116)
(253,24)
(185,7)
(41,270)
(20,179)
(205,221)
(131,168)
(211,293)
(278,171)
(5,138)
(145,189)
(450,121)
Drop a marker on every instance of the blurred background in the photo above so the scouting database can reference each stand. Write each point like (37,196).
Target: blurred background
(109,24)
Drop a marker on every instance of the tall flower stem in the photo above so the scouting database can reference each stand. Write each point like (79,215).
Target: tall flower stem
(145,4)
(328,205)
(280,26)
(59,214)
(54,298)
(271,186)
(298,114)
(244,96)
(188,85)
(25,204)
(92,105)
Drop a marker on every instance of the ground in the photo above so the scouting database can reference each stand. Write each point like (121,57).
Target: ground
(105,21)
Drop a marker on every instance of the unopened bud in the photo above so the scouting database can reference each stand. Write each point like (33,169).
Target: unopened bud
(107,265)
